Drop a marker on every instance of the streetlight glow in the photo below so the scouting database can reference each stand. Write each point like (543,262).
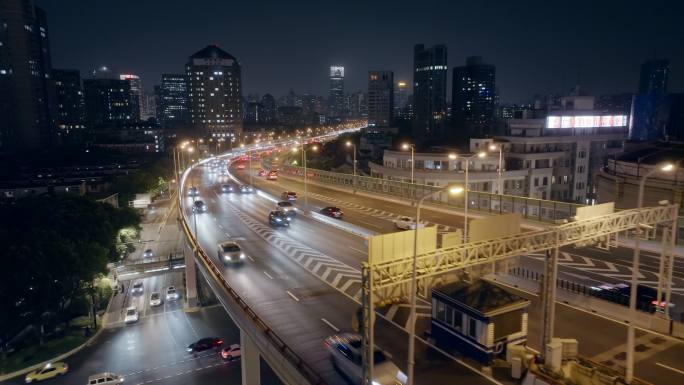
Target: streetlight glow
(667,167)
(492,147)
(456,190)
(481,154)
(405,146)
(453,156)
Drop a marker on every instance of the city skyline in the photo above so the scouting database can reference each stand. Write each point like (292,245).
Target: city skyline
(534,50)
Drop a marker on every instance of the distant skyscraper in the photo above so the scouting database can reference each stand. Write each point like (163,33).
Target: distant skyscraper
(269,109)
(215,92)
(473,93)
(653,79)
(148,105)
(336,94)
(108,102)
(173,101)
(400,98)
(136,93)
(27,96)
(356,105)
(429,91)
(70,103)
(380,98)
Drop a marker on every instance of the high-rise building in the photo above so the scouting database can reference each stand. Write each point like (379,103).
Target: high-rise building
(380,98)
(653,78)
(70,104)
(356,105)
(336,94)
(108,102)
(136,93)
(400,99)
(27,96)
(269,109)
(215,92)
(173,101)
(148,105)
(473,94)
(429,91)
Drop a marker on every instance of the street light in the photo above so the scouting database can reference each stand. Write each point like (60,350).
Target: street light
(480,154)
(499,170)
(353,146)
(454,190)
(306,188)
(629,372)
(411,146)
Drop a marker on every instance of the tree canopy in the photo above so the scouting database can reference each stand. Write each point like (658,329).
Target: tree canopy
(52,248)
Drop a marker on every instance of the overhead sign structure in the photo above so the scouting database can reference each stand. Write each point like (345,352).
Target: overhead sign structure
(397,246)
(494,227)
(588,212)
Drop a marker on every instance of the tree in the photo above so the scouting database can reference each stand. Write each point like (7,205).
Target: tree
(53,249)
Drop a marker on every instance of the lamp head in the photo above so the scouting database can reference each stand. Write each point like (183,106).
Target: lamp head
(455,190)
(481,154)
(453,156)
(667,167)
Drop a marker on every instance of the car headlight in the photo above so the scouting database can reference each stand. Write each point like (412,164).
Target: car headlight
(242,255)
(288,219)
(278,220)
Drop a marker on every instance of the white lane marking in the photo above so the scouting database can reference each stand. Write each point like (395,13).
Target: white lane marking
(250,257)
(358,251)
(369,224)
(268,275)
(227,235)
(292,295)
(671,368)
(325,321)
(220,226)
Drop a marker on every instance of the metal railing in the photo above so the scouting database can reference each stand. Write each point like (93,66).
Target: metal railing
(307,373)
(530,208)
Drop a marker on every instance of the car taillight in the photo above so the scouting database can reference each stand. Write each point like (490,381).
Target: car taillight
(220,342)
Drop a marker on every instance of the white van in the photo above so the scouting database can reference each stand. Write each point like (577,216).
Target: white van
(106,378)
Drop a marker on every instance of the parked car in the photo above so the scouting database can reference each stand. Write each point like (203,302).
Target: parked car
(231,252)
(345,354)
(106,378)
(51,370)
(231,352)
(205,344)
(332,211)
(199,207)
(407,223)
(279,218)
(289,196)
(132,315)
(171,294)
(156,299)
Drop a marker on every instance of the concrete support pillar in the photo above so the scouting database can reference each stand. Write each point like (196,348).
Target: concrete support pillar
(190,281)
(251,370)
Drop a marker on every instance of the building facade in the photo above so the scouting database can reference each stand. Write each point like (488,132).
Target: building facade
(215,93)
(380,98)
(473,94)
(269,108)
(401,95)
(429,91)
(70,103)
(108,102)
(27,96)
(336,104)
(173,101)
(148,105)
(136,94)
(653,77)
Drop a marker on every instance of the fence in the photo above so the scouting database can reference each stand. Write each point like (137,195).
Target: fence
(529,208)
(607,294)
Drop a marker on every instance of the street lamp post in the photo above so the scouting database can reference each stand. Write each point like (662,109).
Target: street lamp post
(480,154)
(499,170)
(306,188)
(353,146)
(411,146)
(629,372)
(412,317)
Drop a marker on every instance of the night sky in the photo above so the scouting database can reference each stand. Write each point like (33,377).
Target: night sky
(538,46)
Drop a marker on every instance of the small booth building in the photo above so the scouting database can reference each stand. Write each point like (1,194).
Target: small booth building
(478,319)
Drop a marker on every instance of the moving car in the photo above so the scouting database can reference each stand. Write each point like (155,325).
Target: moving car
(148,253)
(171,294)
(407,223)
(345,354)
(279,218)
(193,191)
(272,175)
(262,172)
(205,344)
(230,252)
(241,166)
(199,207)
(132,315)
(106,378)
(332,211)
(231,352)
(289,196)
(286,206)
(155,299)
(52,369)
(137,288)
(246,189)
(227,188)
